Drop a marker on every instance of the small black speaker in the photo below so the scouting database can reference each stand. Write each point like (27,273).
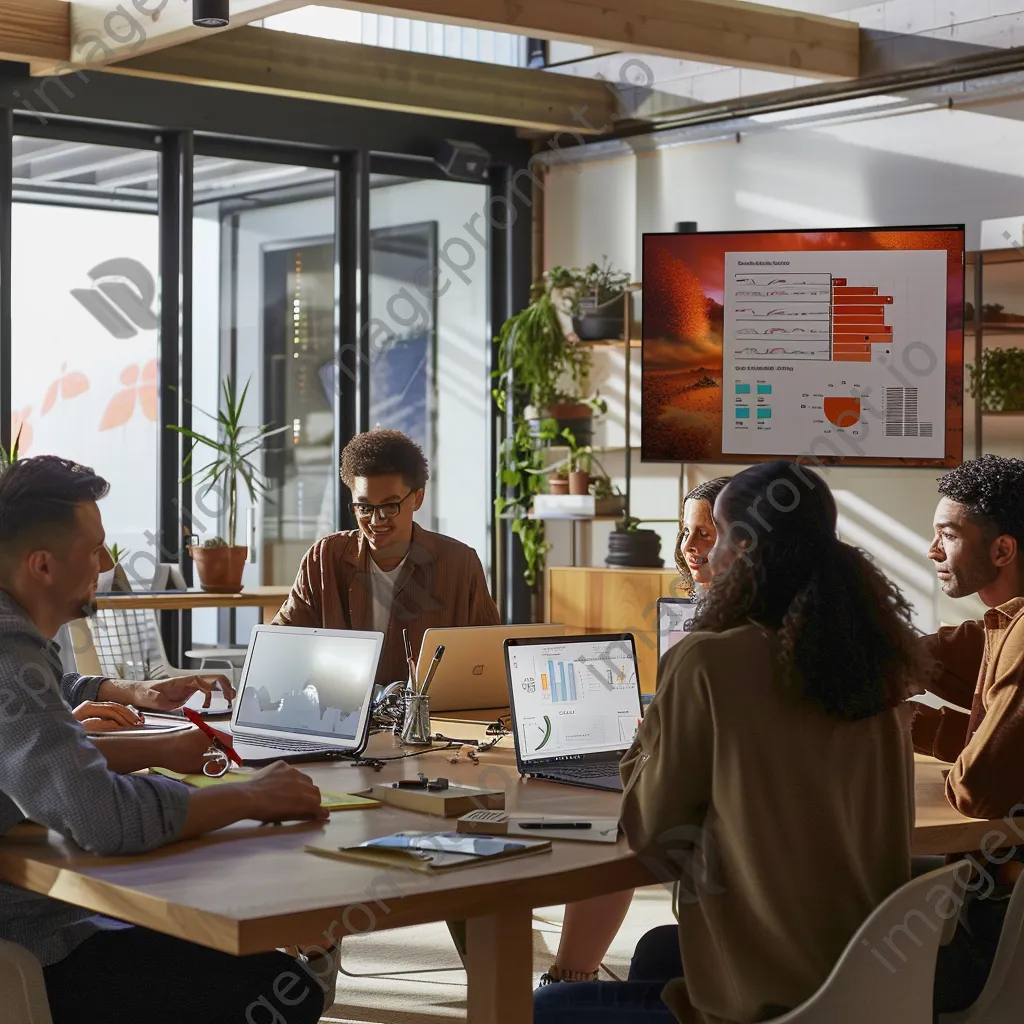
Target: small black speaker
(465,161)
(211,13)
(686,227)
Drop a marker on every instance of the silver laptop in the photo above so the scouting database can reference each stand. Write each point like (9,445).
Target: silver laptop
(575,706)
(305,694)
(471,675)
(675,620)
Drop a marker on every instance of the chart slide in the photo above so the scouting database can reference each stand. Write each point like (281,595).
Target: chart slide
(835,352)
(312,685)
(574,698)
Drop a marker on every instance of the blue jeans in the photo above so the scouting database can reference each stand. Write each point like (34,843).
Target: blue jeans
(602,1002)
(637,1001)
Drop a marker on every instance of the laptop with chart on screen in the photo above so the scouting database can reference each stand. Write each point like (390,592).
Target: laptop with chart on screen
(305,693)
(576,706)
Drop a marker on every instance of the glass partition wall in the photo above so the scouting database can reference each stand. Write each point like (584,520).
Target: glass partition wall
(289,259)
(84,319)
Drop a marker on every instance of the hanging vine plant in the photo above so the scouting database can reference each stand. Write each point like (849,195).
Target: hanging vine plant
(539,369)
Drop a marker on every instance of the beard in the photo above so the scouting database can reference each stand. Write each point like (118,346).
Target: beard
(88,609)
(968,579)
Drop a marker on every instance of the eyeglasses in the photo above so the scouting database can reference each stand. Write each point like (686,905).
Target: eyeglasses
(387,511)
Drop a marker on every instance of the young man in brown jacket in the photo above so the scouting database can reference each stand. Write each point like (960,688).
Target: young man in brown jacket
(979,549)
(389,574)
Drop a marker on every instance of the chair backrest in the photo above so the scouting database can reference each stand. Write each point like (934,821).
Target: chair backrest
(128,644)
(1002,998)
(22,988)
(886,974)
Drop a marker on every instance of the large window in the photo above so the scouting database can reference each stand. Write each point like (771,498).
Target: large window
(263,301)
(430,366)
(84,320)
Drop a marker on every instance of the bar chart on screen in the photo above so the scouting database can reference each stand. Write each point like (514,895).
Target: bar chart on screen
(815,349)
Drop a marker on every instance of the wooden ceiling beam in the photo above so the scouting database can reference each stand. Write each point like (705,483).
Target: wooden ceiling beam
(286,64)
(35,30)
(729,32)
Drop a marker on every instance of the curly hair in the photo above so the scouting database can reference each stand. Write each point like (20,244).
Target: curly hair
(992,490)
(383,453)
(846,639)
(707,491)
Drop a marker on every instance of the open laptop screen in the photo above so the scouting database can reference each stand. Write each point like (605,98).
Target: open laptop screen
(675,620)
(573,696)
(307,682)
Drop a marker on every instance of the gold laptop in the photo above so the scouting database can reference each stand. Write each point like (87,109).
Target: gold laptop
(471,675)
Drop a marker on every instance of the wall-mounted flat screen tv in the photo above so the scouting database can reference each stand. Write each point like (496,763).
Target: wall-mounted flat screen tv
(845,347)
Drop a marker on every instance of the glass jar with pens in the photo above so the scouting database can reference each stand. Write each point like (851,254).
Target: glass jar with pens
(416,717)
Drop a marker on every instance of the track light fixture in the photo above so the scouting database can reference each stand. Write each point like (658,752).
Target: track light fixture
(211,13)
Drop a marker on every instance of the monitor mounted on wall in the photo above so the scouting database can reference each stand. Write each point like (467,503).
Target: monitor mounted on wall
(841,347)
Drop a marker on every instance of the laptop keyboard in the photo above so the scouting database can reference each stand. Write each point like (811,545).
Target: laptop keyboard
(587,771)
(279,744)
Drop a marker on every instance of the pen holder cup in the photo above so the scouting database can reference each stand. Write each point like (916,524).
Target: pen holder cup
(416,721)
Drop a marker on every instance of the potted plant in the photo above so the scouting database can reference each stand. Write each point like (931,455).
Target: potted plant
(579,475)
(598,312)
(630,546)
(220,564)
(115,580)
(997,381)
(541,386)
(608,499)
(558,482)
(549,370)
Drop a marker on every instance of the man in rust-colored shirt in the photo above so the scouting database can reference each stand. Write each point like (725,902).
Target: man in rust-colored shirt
(390,574)
(979,549)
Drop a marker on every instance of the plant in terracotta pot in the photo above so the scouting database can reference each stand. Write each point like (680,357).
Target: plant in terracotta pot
(219,563)
(579,474)
(558,483)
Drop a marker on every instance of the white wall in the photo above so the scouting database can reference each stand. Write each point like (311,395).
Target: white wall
(932,168)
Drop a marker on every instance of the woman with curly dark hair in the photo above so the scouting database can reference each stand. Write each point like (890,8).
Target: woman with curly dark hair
(773,776)
(697,534)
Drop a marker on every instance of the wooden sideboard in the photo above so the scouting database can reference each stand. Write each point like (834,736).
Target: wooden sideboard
(602,600)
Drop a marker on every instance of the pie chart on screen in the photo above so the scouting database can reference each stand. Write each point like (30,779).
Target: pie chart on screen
(843,412)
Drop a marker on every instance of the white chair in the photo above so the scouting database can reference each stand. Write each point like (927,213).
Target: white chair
(123,645)
(22,989)
(886,974)
(1002,999)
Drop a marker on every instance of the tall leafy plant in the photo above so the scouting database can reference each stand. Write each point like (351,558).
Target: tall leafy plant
(235,456)
(533,348)
(537,368)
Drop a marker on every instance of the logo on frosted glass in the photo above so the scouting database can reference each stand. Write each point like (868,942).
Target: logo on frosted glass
(121,297)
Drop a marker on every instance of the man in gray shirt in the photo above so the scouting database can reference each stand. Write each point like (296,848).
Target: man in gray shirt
(51,546)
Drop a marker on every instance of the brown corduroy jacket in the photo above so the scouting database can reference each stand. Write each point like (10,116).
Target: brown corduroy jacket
(443,585)
(981,667)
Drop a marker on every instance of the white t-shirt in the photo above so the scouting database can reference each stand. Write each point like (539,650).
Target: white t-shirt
(383,586)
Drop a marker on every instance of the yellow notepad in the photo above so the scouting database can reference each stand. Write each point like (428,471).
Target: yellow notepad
(332,801)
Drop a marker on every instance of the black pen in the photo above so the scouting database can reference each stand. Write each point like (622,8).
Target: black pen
(438,655)
(554,825)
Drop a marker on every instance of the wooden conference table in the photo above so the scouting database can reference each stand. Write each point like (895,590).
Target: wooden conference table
(267,599)
(248,889)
